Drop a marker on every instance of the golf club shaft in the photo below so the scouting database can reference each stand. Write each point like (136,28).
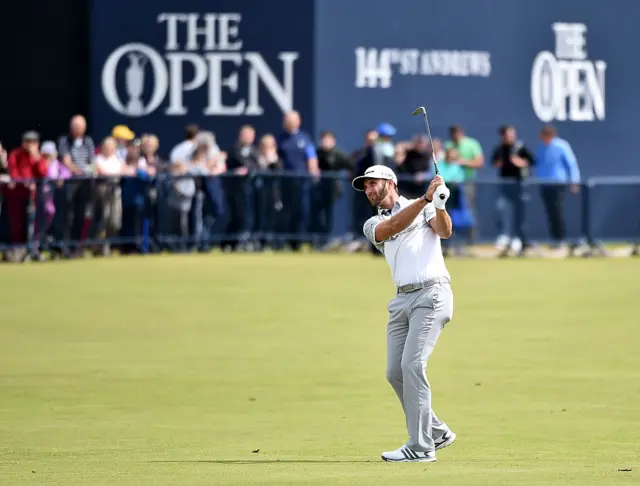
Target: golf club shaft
(433,151)
(423,110)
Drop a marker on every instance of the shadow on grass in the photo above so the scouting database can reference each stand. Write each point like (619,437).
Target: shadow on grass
(266,461)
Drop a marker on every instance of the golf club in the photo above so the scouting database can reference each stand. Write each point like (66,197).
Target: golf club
(423,110)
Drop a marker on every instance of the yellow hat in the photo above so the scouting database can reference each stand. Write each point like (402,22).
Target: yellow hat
(122,132)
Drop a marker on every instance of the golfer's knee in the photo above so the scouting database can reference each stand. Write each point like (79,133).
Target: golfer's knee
(394,373)
(412,369)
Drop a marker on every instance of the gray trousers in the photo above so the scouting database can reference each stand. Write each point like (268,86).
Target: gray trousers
(415,323)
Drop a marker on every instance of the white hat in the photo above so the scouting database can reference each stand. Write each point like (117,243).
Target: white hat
(48,148)
(374,172)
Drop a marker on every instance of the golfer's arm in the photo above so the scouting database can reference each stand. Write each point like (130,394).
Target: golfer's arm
(442,224)
(399,221)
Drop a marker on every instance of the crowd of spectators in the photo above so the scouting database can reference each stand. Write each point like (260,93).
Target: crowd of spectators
(71,196)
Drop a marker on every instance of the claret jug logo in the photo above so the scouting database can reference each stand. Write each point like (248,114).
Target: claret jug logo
(201,52)
(566,85)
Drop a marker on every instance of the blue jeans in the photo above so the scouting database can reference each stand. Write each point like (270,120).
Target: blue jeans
(511,208)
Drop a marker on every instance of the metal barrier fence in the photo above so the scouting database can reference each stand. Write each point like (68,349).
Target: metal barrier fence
(283,209)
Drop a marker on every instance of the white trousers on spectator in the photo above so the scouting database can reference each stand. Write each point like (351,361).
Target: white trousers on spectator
(415,322)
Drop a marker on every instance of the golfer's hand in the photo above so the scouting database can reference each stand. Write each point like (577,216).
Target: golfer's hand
(437,181)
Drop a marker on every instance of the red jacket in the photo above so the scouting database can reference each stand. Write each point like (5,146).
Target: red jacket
(22,165)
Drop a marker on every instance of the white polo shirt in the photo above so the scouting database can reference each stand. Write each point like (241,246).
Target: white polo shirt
(414,255)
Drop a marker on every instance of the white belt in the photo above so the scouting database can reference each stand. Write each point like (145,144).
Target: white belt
(407,289)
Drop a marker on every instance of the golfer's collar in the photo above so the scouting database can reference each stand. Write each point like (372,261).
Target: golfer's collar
(400,202)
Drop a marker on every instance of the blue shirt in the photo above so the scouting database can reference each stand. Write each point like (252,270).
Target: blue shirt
(556,162)
(134,189)
(295,150)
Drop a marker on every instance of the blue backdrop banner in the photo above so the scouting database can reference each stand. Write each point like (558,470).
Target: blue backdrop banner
(347,66)
(482,64)
(156,66)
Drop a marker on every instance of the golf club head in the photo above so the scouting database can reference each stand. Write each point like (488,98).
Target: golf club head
(420,109)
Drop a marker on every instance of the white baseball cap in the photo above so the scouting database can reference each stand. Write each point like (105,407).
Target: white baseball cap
(374,172)
(48,148)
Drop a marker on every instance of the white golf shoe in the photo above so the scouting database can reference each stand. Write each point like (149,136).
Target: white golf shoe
(404,454)
(502,242)
(446,440)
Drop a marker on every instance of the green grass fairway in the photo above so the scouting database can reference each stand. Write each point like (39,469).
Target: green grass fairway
(172,370)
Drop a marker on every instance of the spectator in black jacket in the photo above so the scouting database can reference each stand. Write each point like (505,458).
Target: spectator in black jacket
(242,159)
(331,161)
(513,160)
(370,138)
(268,198)
(416,160)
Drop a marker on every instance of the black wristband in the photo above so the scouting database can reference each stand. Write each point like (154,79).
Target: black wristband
(426,199)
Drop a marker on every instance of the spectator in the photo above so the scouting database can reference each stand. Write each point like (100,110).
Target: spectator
(108,212)
(416,160)
(299,157)
(330,157)
(243,159)
(55,201)
(123,136)
(55,170)
(450,170)
(449,167)
(268,158)
(4,168)
(556,166)
(209,203)
(77,151)
(4,180)
(441,157)
(400,150)
(382,151)
(267,200)
(199,163)
(361,207)
(437,147)
(107,162)
(471,158)
(453,173)
(25,165)
(149,145)
(134,187)
(152,222)
(328,189)
(370,138)
(182,151)
(513,160)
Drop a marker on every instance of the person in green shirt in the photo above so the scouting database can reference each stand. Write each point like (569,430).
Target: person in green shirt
(470,155)
(471,158)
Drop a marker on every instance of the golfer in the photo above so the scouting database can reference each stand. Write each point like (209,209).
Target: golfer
(408,234)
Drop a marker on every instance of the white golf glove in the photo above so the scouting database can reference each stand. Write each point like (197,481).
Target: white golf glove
(440,196)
